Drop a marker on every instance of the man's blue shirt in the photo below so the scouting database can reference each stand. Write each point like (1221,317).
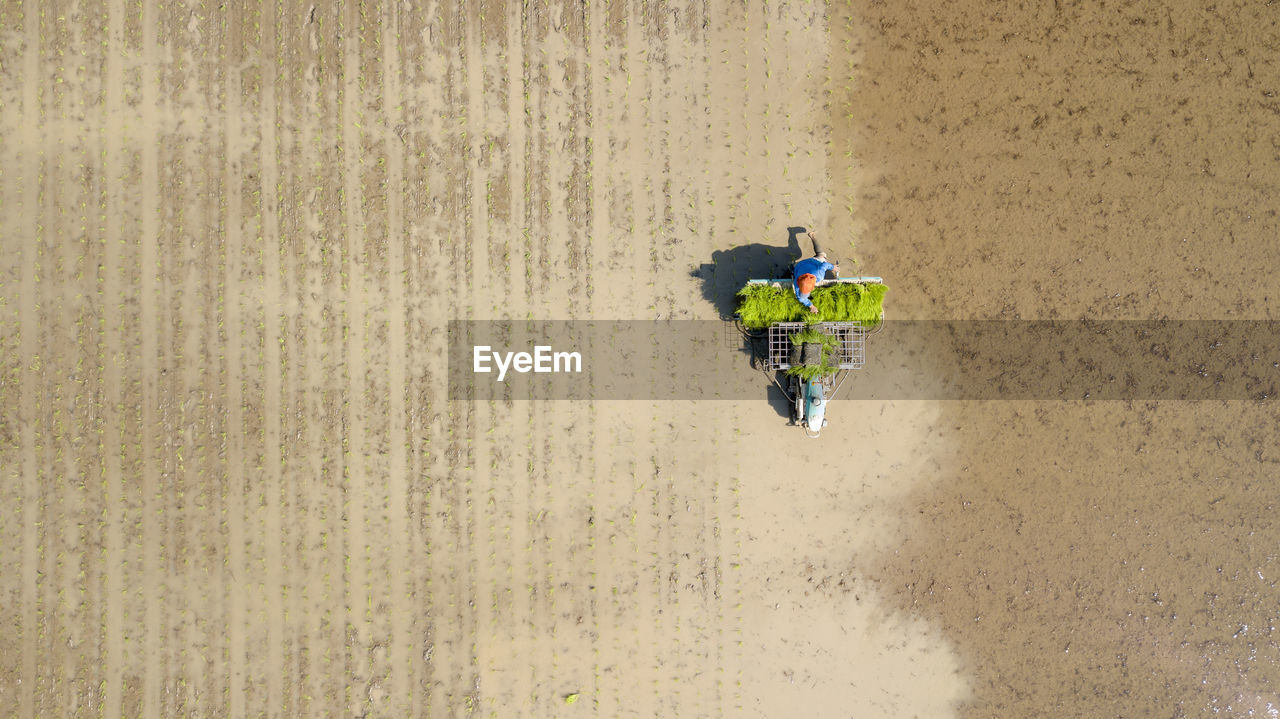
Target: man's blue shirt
(812,266)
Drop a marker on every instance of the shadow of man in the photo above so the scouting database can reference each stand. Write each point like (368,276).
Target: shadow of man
(730,269)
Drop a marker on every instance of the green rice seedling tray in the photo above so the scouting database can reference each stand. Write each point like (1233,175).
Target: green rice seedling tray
(762,303)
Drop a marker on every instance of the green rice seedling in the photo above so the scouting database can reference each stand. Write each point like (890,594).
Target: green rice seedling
(824,368)
(808,372)
(812,336)
(762,305)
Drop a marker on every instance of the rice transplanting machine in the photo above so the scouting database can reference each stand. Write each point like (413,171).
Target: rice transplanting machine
(809,361)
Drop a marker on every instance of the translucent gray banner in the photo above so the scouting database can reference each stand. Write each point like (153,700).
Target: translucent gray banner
(910,360)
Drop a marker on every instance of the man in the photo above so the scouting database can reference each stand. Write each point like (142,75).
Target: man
(807,274)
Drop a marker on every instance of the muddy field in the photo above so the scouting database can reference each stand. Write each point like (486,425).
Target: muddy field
(234,485)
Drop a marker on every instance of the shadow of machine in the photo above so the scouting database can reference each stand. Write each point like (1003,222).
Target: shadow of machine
(729,270)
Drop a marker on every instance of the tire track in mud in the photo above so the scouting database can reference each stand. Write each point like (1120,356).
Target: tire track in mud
(16,179)
(423,337)
(386,594)
(89,490)
(330,268)
(632,531)
(284,513)
(687,449)
(614,549)
(601,597)
(726,55)
(458,679)
(298,227)
(677,467)
(328,532)
(173,276)
(135,370)
(223,82)
(575,629)
(11,238)
(316,494)
(619,470)
(355,262)
(150,299)
(180,209)
(440,207)
(400,540)
(261,521)
(508,570)
(174,287)
(474,143)
(734,187)
(317,503)
(53,368)
(513,633)
(715,551)
(113,300)
(647,38)
(509,466)
(518,151)
(524,139)
(694,430)
(33,178)
(596,224)
(278,102)
(238,168)
(488,167)
(204,412)
(46,268)
(563,428)
(523,510)
(73,408)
